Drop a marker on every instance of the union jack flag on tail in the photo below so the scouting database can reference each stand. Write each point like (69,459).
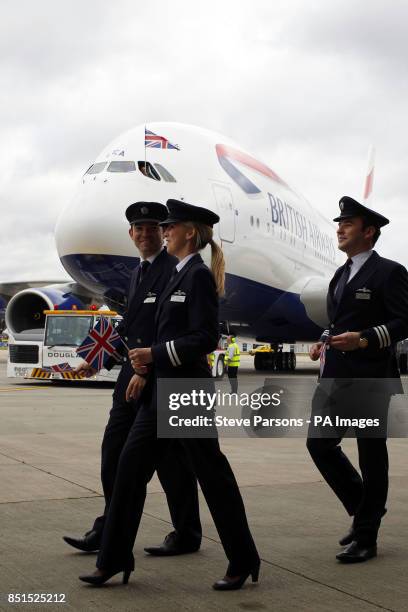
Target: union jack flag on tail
(100,344)
(154,141)
(59,367)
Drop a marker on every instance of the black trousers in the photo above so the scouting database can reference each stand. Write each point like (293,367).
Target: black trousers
(363,496)
(175,473)
(232,375)
(141,455)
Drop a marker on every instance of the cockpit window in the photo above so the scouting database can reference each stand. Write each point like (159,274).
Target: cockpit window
(169,178)
(148,170)
(121,166)
(96,168)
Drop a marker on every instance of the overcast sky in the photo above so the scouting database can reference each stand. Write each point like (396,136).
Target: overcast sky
(306,86)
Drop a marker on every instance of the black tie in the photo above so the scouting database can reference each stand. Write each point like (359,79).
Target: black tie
(173,275)
(343,281)
(143,268)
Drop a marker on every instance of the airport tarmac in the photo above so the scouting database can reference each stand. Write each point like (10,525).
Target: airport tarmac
(49,486)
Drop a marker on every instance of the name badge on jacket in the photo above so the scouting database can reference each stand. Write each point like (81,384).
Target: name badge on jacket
(363,294)
(150,298)
(178,296)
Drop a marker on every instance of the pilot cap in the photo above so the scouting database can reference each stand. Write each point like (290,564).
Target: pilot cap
(352,208)
(181,211)
(143,212)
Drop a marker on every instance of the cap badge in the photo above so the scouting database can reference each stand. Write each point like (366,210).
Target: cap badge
(341,205)
(144,210)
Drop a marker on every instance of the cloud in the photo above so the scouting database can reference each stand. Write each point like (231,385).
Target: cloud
(305,86)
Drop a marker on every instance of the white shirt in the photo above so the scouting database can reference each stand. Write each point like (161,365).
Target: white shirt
(183,262)
(152,257)
(358,261)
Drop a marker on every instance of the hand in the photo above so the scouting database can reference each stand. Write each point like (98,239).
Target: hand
(315,350)
(349,341)
(135,387)
(85,370)
(140,357)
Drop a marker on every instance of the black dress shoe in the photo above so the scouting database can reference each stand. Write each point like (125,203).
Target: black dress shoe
(172,546)
(101,576)
(233,583)
(90,542)
(357,553)
(348,538)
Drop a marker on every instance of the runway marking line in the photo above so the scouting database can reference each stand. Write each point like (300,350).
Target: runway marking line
(4,389)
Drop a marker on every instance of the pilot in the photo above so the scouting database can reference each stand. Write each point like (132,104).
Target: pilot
(367,305)
(144,169)
(186,332)
(178,481)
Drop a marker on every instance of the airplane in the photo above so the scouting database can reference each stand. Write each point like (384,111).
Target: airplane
(280,252)
(9,289)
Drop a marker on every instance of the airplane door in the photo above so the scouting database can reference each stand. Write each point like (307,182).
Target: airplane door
(226,211)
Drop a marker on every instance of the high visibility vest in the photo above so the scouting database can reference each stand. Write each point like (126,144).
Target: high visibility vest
(235,361)
(211,358)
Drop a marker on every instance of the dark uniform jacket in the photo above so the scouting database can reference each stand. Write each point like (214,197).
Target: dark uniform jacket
(374,302)
(186,323)
(137,327)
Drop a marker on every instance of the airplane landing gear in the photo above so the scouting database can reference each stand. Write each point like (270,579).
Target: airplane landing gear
(277,361)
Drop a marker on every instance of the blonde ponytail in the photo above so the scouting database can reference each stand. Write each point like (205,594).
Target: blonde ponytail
(218,267)
(204,236)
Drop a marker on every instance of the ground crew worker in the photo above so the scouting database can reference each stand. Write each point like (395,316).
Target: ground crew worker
(232,361)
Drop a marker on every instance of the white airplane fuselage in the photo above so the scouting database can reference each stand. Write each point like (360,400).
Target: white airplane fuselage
(275,244)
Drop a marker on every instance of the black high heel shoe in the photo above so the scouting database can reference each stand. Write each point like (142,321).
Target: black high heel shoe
(234,583)
(100,579)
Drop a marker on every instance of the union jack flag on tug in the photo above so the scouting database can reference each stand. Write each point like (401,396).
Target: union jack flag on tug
(59,367)
(100,344)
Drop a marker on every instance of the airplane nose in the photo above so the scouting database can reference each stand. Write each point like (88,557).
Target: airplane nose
(93,223)
(92,231)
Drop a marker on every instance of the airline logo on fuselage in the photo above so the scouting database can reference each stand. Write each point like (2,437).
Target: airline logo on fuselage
(226,156)
(287,217)
(282,214)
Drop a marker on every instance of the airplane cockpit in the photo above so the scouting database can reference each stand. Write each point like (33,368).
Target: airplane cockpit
(157,172)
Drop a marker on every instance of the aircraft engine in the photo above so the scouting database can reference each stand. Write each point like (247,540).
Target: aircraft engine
(24,311)
(313,297)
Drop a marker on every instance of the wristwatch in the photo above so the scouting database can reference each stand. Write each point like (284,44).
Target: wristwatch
(363,343)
